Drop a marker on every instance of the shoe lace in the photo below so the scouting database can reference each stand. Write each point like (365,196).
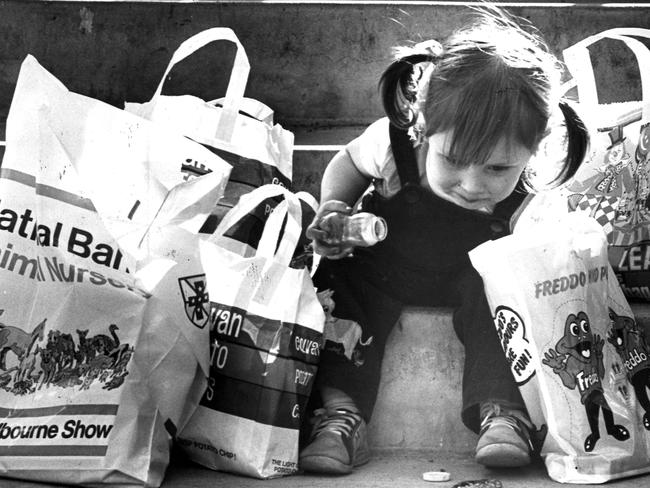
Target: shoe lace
(339,421)
(496,414)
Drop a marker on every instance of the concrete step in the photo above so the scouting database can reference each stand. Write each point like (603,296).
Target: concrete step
(308,165)
(397,469)
(402,469)
(419,397)
(315,63)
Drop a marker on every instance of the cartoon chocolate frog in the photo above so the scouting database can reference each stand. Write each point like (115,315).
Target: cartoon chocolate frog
(630,344)
(578,360)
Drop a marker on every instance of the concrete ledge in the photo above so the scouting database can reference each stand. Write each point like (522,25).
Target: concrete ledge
(419,397)
(308,167)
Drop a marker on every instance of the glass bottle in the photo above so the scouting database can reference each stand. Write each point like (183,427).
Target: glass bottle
(362,229)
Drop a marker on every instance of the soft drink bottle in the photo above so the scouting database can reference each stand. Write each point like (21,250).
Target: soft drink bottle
(362,229)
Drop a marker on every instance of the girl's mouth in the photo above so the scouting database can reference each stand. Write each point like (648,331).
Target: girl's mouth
(471,203)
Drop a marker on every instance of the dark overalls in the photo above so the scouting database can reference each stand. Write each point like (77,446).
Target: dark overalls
(423,262)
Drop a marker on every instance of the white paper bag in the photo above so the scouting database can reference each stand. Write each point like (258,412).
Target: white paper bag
(562,320)
(100,363)
(238,129)
(266,327)
(613,185)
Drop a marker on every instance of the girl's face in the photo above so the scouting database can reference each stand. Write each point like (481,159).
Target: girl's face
(471,186)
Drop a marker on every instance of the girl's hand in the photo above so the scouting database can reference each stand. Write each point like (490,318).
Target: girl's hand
(320,237)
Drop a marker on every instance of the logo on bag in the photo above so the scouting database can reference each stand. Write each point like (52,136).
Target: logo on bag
(195,298)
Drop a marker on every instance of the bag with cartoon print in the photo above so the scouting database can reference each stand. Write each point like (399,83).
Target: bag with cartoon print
(266,326)
(580,359)
(102,357)
(613,185)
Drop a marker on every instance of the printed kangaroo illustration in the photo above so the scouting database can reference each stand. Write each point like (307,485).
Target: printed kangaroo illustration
(85,350)
(17,340)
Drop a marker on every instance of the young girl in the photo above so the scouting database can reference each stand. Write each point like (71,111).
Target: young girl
(448,168)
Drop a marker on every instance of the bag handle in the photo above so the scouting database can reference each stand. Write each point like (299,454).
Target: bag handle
(236,84)
(310,200)
(273,226)
(266,247)
(578,62)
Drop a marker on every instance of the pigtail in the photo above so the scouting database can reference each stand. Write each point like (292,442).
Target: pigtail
(398,86)
(577,143)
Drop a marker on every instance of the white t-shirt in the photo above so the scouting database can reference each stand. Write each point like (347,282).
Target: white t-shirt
(372,155)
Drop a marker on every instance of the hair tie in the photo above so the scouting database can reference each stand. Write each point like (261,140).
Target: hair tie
(431,47)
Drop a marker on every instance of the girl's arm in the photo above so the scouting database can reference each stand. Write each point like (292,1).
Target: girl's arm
(341,187)
(342,180)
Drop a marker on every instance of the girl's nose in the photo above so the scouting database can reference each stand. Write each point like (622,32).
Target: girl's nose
(470,180)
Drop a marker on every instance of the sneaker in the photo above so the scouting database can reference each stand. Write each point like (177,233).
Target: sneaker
(337,444)
(504,439)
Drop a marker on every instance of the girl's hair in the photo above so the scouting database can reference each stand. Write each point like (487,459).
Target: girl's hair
(490,80)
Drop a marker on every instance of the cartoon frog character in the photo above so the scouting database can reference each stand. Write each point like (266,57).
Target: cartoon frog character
(631,345)
(578,360)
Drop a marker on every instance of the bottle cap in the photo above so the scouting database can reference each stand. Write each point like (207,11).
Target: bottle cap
(436,476)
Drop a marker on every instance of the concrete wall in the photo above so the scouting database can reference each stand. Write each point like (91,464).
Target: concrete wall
(316,64)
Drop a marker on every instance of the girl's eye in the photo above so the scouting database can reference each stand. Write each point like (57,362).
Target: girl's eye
(499,169)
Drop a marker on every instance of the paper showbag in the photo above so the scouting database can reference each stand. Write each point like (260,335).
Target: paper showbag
(266,326)
(101,359)
(613,184)
(573,345)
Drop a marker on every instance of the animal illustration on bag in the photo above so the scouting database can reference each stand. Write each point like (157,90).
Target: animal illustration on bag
(631,345)
(578,360)
(17,341)
(61,361)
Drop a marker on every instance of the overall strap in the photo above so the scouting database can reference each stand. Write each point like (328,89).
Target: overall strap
(404,154)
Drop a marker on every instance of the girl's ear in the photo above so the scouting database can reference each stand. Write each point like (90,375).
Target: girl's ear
(577,143)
